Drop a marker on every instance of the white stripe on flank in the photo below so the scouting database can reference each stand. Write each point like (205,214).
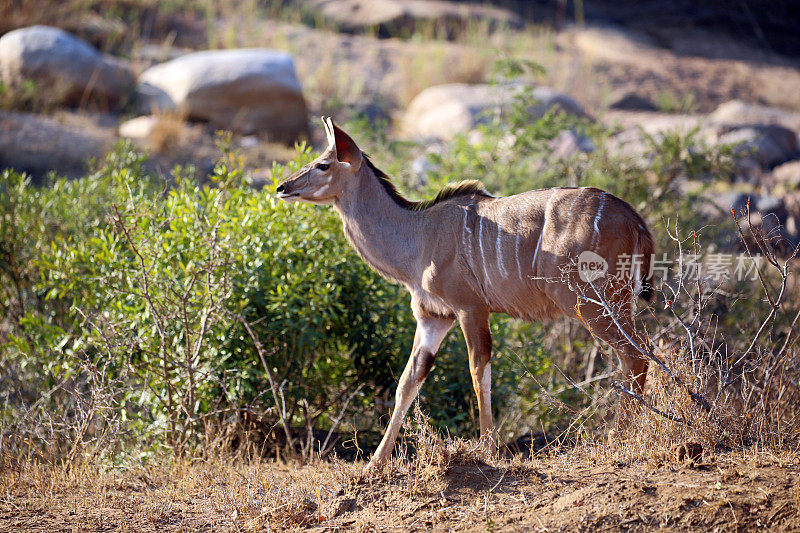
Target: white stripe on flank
(597,220)
(541,232)
(599,212)
(572,206)
(464,231)
(467,237)
(536,252)
(516,255)
(637,266)
(547,205)
(480,243)
(499,252)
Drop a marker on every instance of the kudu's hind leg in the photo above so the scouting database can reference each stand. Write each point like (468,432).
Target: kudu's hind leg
(475,326)
(430,333)
(633,364)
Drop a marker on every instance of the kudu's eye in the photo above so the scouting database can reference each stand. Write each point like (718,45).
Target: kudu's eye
(323,166)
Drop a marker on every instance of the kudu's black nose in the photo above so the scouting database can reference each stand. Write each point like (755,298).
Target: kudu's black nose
(280,188)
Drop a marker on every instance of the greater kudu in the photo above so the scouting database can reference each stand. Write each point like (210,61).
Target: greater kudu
(466,254)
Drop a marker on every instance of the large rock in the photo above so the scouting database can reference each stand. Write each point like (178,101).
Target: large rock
(768,145)
(247,90)
(37,144)
(636,126)
(739,112)
(404,17)
(64,65)
(788,175)
(443,111)
(777,219)
(758,146)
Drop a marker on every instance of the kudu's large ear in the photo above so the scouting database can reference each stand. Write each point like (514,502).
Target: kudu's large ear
(346,149)
(326,122)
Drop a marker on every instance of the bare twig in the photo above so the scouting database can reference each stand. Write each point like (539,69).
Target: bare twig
(617,385)
(601,301)
(323,451)
(270,377)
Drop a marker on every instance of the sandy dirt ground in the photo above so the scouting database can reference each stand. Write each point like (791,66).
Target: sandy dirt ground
(572,491)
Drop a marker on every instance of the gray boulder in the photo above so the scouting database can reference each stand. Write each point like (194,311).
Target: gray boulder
(768,145)
(631,141)
(72,70)
(37,144)
(443,111)
(787,174)
(248,91)
(739,112)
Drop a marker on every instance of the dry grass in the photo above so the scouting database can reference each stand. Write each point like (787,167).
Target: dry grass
(169,132)
(439,63)
(30,96)
(447,484)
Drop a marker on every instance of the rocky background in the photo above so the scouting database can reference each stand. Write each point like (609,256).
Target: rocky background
(79,76)
(181,350)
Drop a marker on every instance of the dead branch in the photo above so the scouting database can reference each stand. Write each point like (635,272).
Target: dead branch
(617,385)
(270,377)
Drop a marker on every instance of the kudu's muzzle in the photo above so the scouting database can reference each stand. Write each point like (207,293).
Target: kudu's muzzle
(291,187)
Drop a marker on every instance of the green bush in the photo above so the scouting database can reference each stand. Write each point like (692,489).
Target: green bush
(147,292)
(175,306)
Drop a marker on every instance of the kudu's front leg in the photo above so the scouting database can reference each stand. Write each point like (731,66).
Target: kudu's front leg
(430,333)
(475,325)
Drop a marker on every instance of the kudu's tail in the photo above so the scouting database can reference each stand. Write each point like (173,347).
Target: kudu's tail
(644,277)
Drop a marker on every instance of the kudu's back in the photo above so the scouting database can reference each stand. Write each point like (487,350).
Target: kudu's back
(522,253)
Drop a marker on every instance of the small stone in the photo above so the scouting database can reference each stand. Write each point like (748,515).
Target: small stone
(688,451)
(630,101)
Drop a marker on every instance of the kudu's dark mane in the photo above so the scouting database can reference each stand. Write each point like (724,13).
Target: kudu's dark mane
(465,188)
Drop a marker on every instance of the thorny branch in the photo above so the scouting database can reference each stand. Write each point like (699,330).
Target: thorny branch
(601,301)
(617,385)
(270,376)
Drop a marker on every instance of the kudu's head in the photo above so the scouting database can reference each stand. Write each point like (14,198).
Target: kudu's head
(325,179)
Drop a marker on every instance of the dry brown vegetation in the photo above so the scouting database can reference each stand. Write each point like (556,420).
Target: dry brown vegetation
(640,484)
(679,465)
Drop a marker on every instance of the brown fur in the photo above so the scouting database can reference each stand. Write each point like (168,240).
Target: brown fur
(466,254)
(464,188)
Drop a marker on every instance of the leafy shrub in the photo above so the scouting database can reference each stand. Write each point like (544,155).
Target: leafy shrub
(168,308)
(187,302)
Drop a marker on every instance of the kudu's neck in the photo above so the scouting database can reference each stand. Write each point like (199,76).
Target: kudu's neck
(387,235)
